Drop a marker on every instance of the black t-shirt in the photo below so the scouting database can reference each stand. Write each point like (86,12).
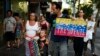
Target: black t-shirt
(41,41)
(55,37)
(50,18)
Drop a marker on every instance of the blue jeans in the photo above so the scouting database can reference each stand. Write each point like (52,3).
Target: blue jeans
(57,48)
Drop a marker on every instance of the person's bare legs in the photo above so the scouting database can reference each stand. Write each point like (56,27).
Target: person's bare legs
(8,43)
(18,42)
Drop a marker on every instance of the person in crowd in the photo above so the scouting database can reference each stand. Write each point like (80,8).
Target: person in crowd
(9,28)
(43,43)
(32,29)
(78,41)
(89,35)
(58,44)
(66,13)
(18,29)
(43,23)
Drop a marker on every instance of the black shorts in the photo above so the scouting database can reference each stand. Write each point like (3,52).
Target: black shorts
(9,36)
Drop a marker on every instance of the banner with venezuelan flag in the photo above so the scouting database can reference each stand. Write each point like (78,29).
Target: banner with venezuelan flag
(69,27)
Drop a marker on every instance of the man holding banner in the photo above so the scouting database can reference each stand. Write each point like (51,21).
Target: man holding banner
(73,28)
(58,44)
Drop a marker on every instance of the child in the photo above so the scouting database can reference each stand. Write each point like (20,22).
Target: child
(43,43)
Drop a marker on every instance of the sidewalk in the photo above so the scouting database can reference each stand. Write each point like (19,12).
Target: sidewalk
(21,50)
(13,51)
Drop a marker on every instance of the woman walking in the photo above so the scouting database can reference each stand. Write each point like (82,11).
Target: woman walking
(31,30)
(89,36)
(78,41)
(18,29)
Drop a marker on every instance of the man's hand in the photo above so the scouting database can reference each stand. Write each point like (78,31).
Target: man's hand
(73,18)
(47,41)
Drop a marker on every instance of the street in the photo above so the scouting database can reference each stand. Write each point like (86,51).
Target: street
(21,51)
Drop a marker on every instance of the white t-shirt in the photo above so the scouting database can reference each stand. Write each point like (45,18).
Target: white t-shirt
(92,24)
(31,30)
(9,23)
(89,33)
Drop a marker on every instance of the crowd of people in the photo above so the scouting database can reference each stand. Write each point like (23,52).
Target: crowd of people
(39,33)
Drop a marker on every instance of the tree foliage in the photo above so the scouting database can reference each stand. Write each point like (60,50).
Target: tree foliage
(97,2)
(88,10)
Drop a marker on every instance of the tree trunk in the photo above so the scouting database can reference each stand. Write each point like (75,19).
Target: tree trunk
(78,5)
(97,17)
